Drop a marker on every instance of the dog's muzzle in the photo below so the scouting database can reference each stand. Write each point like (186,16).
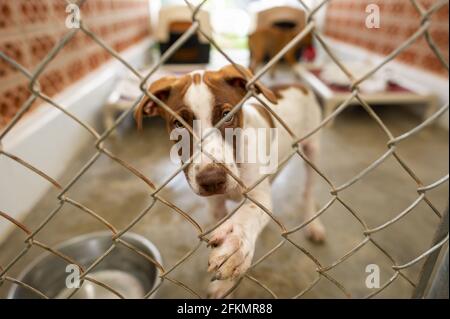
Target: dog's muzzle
(212,180)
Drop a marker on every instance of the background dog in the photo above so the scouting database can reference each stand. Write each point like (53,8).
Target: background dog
(266,42)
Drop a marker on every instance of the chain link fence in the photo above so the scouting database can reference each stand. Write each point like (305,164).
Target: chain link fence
(323,271)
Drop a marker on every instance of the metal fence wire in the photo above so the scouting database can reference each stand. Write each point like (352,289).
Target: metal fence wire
(323,271)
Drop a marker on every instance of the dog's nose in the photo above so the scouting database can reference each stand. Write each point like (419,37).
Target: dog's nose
(212,179)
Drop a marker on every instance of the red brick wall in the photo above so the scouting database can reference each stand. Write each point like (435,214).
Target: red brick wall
(29,29)
(345,21)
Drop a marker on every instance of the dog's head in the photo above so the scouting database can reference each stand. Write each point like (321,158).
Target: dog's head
(205,97)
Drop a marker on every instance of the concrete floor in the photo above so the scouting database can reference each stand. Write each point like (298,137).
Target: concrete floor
(349,146)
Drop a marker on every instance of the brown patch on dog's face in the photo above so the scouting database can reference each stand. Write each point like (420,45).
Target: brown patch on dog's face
(220,111)
(228,87)
(171,91)
(227,94)
(229,84)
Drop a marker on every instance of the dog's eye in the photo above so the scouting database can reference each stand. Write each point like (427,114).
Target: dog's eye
(225,113)
(178,124)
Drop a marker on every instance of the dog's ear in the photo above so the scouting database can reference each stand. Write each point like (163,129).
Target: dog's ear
(240,79)
(146,106)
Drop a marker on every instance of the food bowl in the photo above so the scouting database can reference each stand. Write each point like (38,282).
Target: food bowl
(127,272)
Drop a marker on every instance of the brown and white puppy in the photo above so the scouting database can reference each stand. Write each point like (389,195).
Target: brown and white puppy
(208,97)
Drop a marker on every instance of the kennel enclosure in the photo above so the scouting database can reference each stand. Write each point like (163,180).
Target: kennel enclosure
(323,271)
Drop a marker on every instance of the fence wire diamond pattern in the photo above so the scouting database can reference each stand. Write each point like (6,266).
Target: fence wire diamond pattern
(323,271)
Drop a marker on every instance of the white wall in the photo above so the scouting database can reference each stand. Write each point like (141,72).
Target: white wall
(48,139)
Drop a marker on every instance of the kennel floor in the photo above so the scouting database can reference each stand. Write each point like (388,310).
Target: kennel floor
(348,147)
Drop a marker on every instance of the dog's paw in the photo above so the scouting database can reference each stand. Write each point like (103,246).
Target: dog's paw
(218,288)
(232,252)
(315,231)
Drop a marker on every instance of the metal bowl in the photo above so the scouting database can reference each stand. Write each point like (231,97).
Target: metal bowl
(123,269)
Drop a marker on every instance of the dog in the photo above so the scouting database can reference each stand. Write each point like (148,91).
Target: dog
(208,97)
(266,42)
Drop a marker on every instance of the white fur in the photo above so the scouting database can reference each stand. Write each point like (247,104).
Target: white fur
(200,99)
(234,241)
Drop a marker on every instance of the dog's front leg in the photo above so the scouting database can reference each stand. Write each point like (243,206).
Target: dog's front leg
(218,289)
(216,206)
(233,243)
(315,230)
